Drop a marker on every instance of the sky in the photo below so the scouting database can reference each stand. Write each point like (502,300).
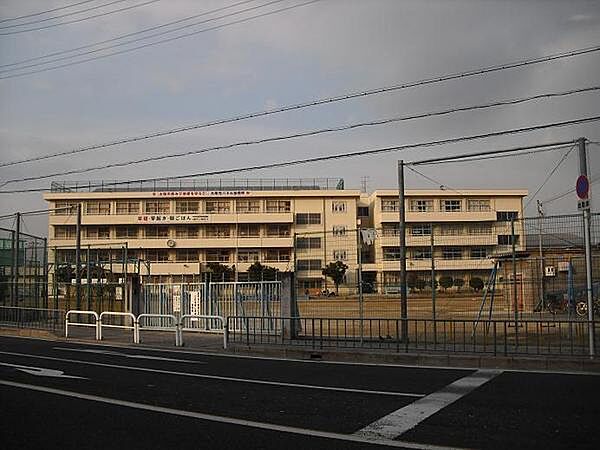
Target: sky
(322,49)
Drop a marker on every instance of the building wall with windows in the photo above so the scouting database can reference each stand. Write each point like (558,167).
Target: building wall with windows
(301,230)
(467,226)
(179,232)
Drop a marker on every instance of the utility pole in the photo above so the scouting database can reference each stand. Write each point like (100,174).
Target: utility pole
(402,233)
(588,248)
(15,262)
(433,293)
(78,257)
(360,287)
(540,249)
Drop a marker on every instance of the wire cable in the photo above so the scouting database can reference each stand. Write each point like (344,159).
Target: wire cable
(47,11)
(552,172)
(131,41)
(81,19)
(151,44)
(317,102)
(300,135)
(343,155)
(116,38)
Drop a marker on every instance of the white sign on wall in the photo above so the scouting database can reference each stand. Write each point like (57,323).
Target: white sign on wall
(550,271)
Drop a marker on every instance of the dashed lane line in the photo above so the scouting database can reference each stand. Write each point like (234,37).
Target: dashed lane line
(400,421)
(219,377)
(226,420)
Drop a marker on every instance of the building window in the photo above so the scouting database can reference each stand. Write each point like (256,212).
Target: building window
(97,208)
(218,231)
(187,206)
(278,230)
(478,205)
(421,253)
(97,232)
(186,255)
(64,232)
(277,254)
(126,232)
(339,230)
(338,207)
(187,232)
(388,205)
(308,218)
(309,264)
(505,239)
(423,229)
(247,206)
(218,206)
(479,228)
(452,253)
(128,207)
(309,242)
(451,230)
(391,253)
(362,211)
(157,255)
(506,216)
(248,255)
(390,229)
(478,252)
(248,230)
(157,206)
(65,256)
(217,255)
(421,205)
(340,255)
(156,231)
(65,208)
(451,205)
(278,206)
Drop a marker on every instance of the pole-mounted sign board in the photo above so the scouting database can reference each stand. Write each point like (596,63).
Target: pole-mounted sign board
(582,187)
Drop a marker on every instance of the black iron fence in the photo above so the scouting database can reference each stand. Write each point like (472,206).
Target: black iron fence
(493,337)
(33,318)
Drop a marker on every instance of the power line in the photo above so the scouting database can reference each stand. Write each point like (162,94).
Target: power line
(47,11)
(344,155)
(81,19)
(131,41)
(116,38)
(317,102)
(552,172)
(593,180)
(304,134)
(151,44)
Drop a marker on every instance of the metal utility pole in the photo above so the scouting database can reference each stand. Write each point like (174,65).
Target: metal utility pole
(433,293)
(360,287)
(15,262)
(78,257)
(588,244)
(513,239)
(402,233)
(540,249)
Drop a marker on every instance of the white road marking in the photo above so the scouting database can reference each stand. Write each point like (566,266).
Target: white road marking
(41,371)
(222,378)
(406,418)
(227,420)
(128,355)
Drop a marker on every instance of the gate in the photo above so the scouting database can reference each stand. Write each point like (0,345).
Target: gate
(240,299)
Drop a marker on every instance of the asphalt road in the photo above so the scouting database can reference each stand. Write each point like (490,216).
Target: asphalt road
(56,394)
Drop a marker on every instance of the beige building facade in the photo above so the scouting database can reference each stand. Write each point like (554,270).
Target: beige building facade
(292,227)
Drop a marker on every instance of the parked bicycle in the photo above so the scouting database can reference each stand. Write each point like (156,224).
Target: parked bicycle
(582,307)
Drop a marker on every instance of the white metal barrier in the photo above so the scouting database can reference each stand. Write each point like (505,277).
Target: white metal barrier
(221,319)
(96,323)
(174,327)
(118,314)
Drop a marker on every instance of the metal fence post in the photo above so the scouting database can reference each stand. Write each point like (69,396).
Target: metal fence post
(514,276)
(433,287)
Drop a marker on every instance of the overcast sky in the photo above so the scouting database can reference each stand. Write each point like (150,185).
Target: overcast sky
(318,50)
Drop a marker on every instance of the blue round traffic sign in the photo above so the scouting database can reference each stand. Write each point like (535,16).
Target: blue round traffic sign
(582,187)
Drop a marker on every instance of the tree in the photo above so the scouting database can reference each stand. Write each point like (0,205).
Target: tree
(258,272)
(219,271)
(336,271)
(476,283)
(446,281)
(459,282)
